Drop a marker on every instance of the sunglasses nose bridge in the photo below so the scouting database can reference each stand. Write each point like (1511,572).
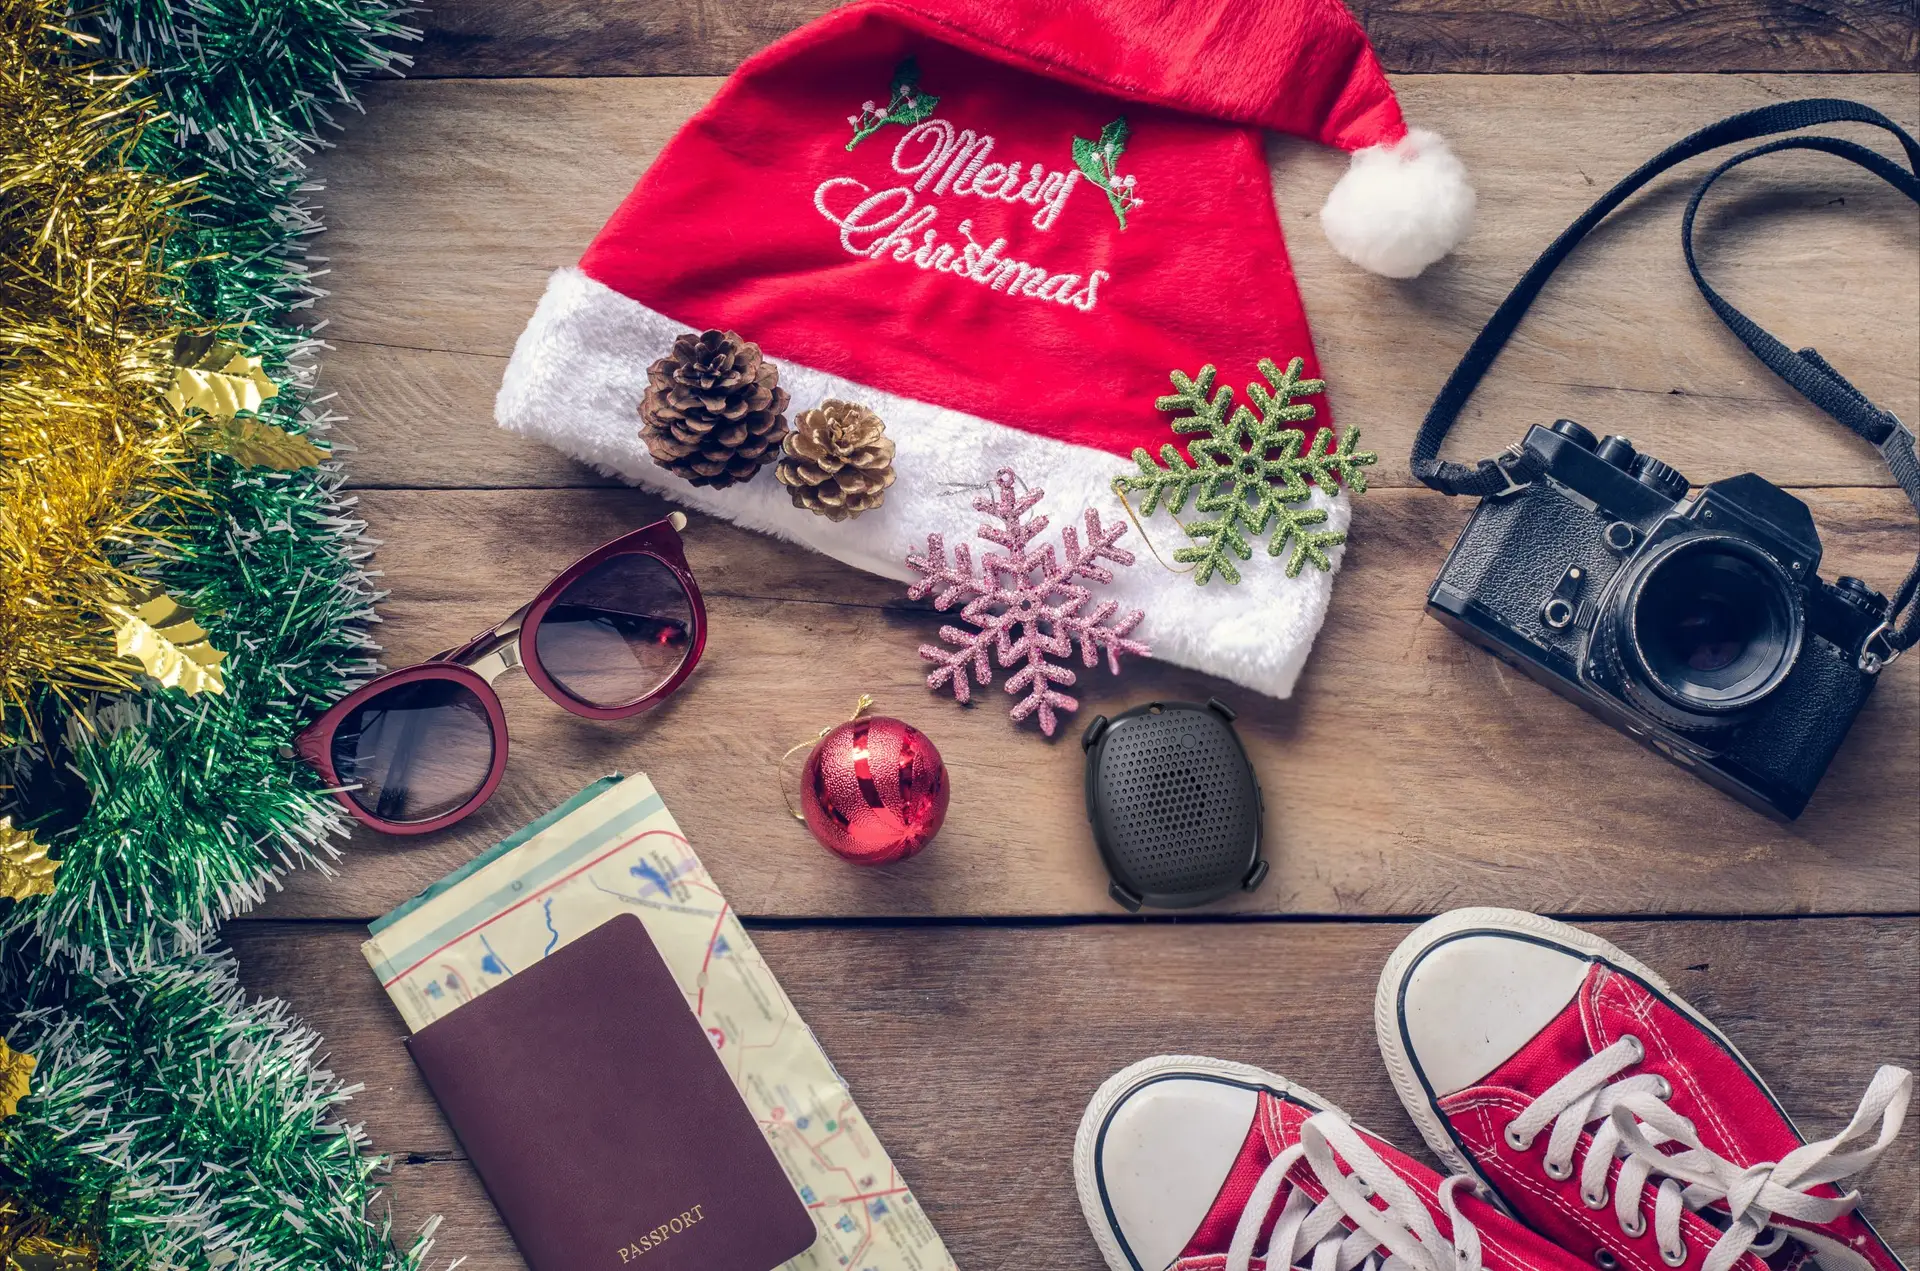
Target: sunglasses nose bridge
(497,661)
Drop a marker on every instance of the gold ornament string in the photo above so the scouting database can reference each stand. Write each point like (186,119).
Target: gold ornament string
(94,466)
(1120,493)
(860,707)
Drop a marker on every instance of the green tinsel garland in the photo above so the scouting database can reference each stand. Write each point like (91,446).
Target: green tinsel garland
(185,1125)
(194,808)
(181,1125)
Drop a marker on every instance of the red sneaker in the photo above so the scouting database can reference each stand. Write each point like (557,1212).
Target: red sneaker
(1609,1115)
(1204,1165)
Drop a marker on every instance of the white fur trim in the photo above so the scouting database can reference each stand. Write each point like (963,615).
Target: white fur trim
(579,371)
(1401,207)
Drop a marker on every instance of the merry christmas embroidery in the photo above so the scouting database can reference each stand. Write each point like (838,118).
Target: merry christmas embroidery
(942,161)
(936,155)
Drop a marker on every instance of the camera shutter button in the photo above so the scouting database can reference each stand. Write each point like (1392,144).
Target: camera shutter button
(1657,476)
(1618,451)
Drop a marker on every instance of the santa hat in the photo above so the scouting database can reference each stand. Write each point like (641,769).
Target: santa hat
(935,213)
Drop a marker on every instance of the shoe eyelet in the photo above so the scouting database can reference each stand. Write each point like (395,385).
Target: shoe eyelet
(1674,1257)
(1639,1049)
(1604,1259)
(1516,1140)
(1558,1172)
(1635,1229)
(1664,1090)
(1594,1200)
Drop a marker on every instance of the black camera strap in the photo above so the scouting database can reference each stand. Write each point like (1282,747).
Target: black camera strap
(1805,370)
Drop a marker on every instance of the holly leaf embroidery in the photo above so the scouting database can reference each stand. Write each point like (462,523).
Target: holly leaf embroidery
(906,82)
(1099,160)
(906,104)
(1085,158)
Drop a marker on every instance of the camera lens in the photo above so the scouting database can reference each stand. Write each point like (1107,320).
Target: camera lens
(1711,625)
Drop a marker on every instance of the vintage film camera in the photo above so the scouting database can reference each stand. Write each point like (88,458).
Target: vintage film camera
(1697,625)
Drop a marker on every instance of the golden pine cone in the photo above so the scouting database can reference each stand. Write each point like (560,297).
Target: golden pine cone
(838,460)
(714,410)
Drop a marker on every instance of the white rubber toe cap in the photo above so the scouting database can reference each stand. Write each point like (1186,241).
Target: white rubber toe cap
(1471,1002)
(1169,1145)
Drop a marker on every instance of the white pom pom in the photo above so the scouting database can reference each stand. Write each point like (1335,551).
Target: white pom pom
(1401,207)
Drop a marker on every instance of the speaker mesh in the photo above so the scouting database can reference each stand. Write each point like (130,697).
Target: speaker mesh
(1181,808)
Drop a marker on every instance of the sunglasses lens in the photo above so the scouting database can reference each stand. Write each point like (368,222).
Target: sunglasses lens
(618,633)
(417,751)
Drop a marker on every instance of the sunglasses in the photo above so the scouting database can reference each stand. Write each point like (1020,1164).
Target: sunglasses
(420,748)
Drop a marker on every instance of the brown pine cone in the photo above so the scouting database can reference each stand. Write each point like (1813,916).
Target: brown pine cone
(714,410)
(838,461)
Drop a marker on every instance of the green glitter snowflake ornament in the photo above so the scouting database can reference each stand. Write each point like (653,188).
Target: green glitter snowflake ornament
(1250,473)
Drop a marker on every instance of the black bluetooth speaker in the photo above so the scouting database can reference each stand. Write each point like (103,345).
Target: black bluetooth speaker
(1174,805)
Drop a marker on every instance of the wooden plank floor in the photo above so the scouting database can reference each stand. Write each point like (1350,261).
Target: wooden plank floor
(975,996)
(972,1050)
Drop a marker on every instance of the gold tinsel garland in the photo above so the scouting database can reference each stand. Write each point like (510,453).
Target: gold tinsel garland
(93,461)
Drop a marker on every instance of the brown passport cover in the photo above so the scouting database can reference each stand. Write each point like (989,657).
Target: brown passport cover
(602,1122)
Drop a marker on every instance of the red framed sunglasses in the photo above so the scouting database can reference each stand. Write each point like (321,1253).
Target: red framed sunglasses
(422,747)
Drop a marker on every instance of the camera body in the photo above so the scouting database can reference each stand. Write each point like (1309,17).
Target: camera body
(1697,625)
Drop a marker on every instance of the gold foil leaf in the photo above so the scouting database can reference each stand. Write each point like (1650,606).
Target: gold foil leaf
(162,636)
(217,378)
(25,868)
(16,1078)
(260,444)
(39,1253)
(27,1239)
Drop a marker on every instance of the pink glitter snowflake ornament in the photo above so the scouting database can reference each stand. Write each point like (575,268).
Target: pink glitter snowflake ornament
(1024,605)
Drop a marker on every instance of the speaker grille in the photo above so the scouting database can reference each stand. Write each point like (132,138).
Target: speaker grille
(1181,808)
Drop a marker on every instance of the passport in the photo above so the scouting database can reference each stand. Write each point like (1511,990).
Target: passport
(602,1122)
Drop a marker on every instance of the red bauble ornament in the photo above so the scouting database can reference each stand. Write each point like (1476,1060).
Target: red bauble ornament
(874,791)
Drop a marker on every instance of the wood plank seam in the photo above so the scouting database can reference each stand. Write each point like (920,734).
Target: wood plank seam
(1058,922)
(477,39)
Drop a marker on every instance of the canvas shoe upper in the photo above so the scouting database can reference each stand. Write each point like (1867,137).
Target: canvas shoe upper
(1609,1115)
(1204,1165)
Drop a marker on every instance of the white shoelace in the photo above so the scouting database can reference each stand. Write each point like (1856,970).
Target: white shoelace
(1635,1121)
(1404,1228)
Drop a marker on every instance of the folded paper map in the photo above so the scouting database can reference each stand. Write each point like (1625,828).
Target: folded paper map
(616,849)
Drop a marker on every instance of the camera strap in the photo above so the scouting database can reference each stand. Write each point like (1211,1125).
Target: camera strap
(1805,370)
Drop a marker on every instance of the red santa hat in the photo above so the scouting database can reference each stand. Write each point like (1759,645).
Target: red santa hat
(1000,225)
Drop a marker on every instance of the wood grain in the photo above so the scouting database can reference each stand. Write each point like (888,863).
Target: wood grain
(655,37)
(973,1051)
(1409,773)
(453,201)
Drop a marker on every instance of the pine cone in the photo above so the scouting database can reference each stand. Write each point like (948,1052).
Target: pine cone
(714,409)
(838,461)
